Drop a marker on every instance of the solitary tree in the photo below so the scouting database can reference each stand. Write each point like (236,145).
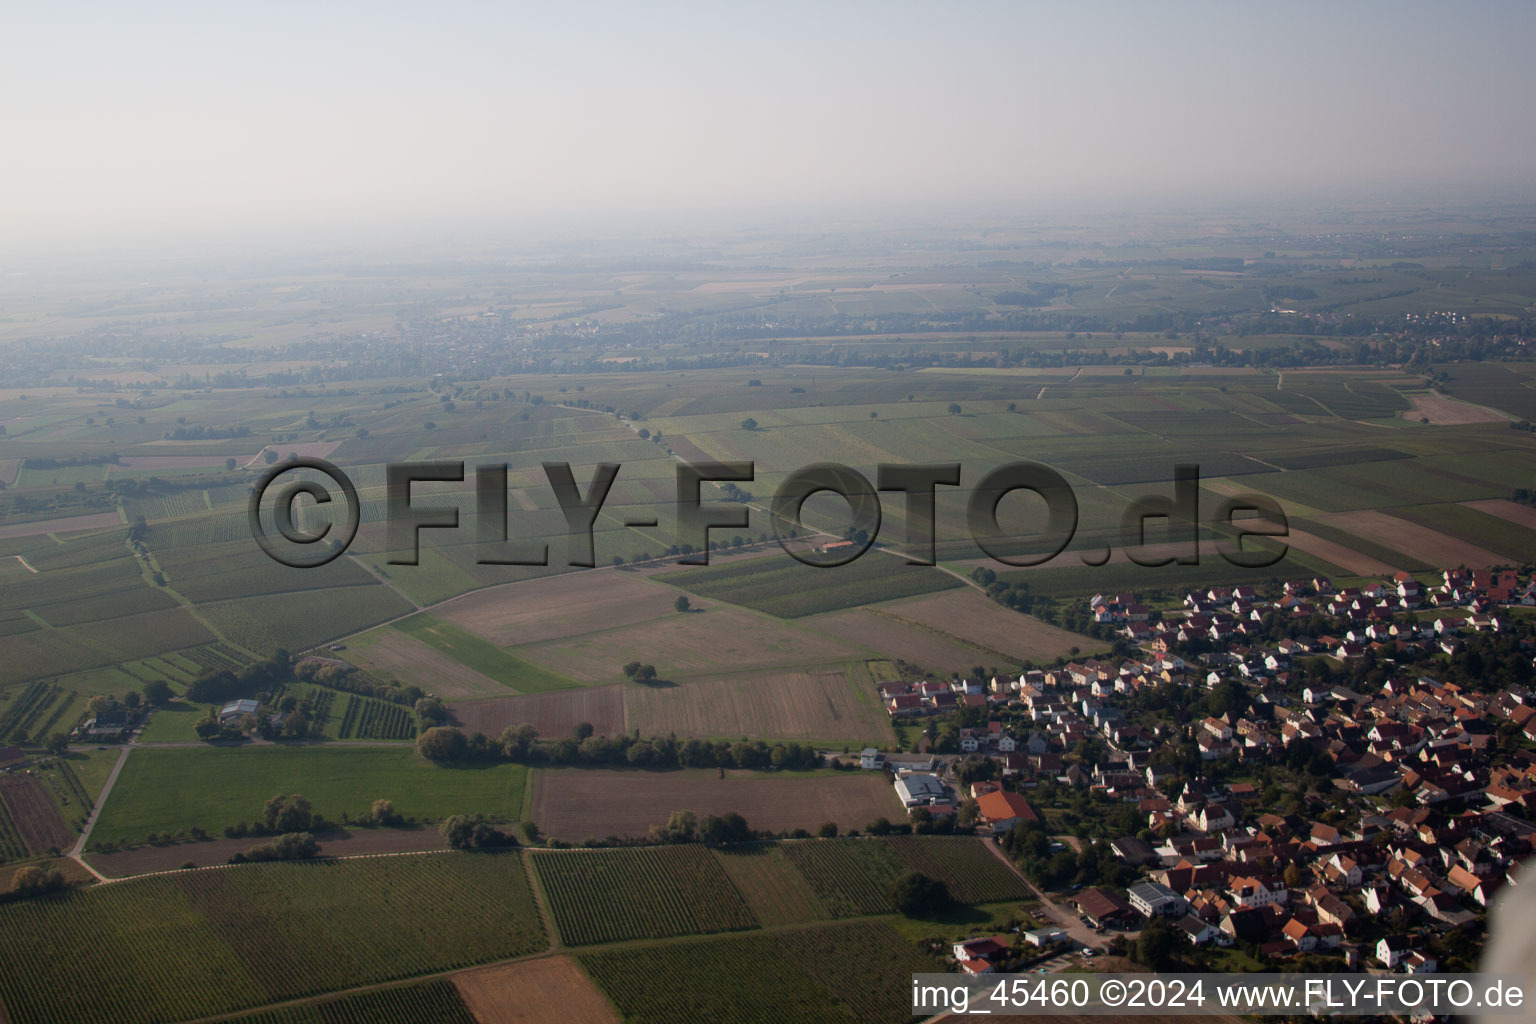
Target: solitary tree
(916,894)
(681,604)
(749,424)
(290,813)
(954,409)
(383,813)
(442,743)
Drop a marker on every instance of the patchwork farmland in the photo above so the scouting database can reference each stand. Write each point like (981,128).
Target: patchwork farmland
(1285,361)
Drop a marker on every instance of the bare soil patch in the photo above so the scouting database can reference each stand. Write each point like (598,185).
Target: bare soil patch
(1509,511)
(1343,557)
(579,804)
(548,989)
(36,816)
(893,638)
(813,704)
(1442,410)
(389,653)
(1432,546)
(970,616)
(554,714)
(333,843)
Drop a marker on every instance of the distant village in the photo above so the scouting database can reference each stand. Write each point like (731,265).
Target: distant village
(1310,773)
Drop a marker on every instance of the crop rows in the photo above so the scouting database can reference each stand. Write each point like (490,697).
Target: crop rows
(848,972)
(384,721)
(639,893)
(261,934)
(11,845)
(348,719)
(214,656)
(430,1002)
(74,789)
(55,719)
(853,877)
(321,700)
(972,872)
(26,709)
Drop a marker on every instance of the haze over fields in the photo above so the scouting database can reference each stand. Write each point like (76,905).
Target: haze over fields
(354,121)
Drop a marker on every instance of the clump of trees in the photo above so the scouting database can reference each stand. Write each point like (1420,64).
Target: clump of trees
(288,846)
(645,675)
(291,813)
(473,832)
(917,895)
(442,743)
(521,744)
(32,880)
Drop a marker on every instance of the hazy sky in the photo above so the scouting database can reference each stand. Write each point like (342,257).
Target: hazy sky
(149,117)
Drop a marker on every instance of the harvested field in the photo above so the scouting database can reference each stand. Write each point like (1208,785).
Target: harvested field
(559,606)
(391,654)
(1431,546)
(815,704)
(34,813)
(968,615)
(554,714)
(1509,511)
(576,804)
(66,524)
(1442,410)
(333,843)
(1338,554)
(935,652)
(687,643)
(534,992)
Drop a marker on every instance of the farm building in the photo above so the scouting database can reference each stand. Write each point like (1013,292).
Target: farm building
(238,709)
(107,722)
(871,759)
(1104,910)
(1152,899)
(919,789)
(1004,810)
(1044,937)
